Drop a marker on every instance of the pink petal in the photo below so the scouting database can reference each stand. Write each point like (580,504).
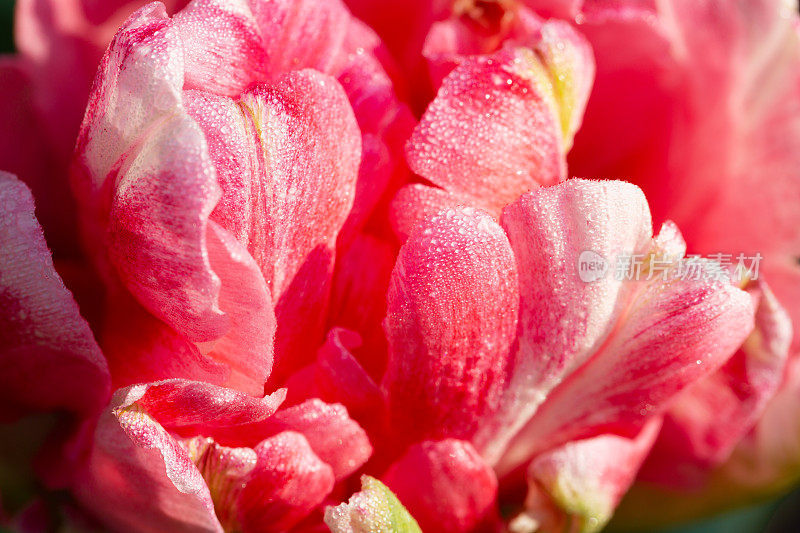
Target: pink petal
(564,319)
(625,131)
(287,483)
(449,42)
(638,343)
(295,158)
(140,348)
(224,48)
(167,187)
(566,9)
(296,260)
(549,230)
(234,154)
(231,45)
(334,437)
(245,297)
(384,121)
(148,195)
(445,485)
(320,182)
(583,481)
(369,79)
(710,417)
(139,478)
(341,374)
(763,77)
(136,440)
(174,254)
(759,47)
(488,138)
(562,52)
(761,460)
(416,203)
(101,10)
(62,51)
(378,165)
(310,33)
(358,296)
(192,408)
(337,376)
(668,112)
(42,334)
(671,335)
(452,316)
(314,112)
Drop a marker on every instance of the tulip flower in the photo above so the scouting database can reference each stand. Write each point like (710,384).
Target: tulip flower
(447,266)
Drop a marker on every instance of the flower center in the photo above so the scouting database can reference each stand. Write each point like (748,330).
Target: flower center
(493,16)
(226,472)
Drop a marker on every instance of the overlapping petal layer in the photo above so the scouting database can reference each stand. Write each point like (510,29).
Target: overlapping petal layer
(191,456)
(711,416)
(234,173)
(697,103)
(287,482)
(132,452)
(588,356)
(43,336)
(579,484)
(249,170)
(452,318)
(493,131)
(445,485)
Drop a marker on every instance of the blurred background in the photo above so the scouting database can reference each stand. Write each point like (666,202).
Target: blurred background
(6,35)
(779,516)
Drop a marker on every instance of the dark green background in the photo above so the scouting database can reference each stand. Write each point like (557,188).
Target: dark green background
(6,35)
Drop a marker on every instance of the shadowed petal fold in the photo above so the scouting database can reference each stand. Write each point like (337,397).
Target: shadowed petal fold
(49,358)
(445,485)
(247,348)
(286,484)
(140,478)
(331,433)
